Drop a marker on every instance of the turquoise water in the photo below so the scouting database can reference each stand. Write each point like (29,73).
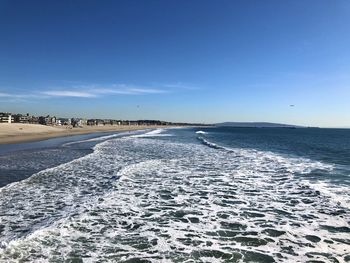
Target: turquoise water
(183,195)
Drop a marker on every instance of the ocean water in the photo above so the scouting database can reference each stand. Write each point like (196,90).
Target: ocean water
(180,195)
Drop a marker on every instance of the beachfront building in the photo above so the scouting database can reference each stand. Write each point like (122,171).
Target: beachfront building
(33,120)
(6,117)
(100,122)
(77,122)
(20,118)
(53,120)
(63,121)
(91,122)
(23,119)
(97,122)
(82,122)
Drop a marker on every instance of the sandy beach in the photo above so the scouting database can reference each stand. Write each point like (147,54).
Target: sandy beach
(17,132)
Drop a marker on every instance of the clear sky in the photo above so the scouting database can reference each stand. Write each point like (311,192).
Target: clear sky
(195,61)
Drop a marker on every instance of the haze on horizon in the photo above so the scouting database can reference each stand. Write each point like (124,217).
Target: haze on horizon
(188,61)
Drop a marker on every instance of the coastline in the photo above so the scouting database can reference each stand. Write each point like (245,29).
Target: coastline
(20,133)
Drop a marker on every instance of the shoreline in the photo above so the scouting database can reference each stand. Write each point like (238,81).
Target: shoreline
(22,133)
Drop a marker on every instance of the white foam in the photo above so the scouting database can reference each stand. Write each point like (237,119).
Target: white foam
(201,132)
(103,138)
(153,133)
(339,194)
(173,201)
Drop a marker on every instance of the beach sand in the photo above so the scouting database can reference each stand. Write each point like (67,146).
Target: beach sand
(18,132)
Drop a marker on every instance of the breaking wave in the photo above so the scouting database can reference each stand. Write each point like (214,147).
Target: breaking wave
(146,199)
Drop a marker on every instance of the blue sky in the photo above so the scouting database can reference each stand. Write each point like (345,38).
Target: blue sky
(195,61)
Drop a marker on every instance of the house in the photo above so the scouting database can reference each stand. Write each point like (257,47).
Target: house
(74,122)
(82,122)
(63,121)
(91,122)
(33,120)
(22,118)
(53,120)
(100,122)
(6,117)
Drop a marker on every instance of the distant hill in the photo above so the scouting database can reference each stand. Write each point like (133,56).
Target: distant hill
(256,125)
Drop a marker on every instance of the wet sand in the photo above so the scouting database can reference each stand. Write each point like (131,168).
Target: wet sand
(17,132)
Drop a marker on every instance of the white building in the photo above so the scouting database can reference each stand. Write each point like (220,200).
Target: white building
(6,117)
(23,119)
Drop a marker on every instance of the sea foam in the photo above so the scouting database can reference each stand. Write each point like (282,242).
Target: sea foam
(146,198)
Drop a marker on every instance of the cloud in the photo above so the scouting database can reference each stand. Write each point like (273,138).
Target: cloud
(131,91)
(4,95)
(68,93)
(124,89)
(147,91)
(17,96)
(179,86)
(94,91)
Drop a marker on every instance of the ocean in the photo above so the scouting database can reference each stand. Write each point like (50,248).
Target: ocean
(178,195)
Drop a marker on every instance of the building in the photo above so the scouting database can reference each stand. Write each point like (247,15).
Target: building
(22,118)
(53,120)
(6,117)
(34,120)
(91,122)
(100,122)
(63,121)
(82,122)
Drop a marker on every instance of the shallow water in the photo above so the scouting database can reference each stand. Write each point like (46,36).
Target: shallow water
(180,196)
